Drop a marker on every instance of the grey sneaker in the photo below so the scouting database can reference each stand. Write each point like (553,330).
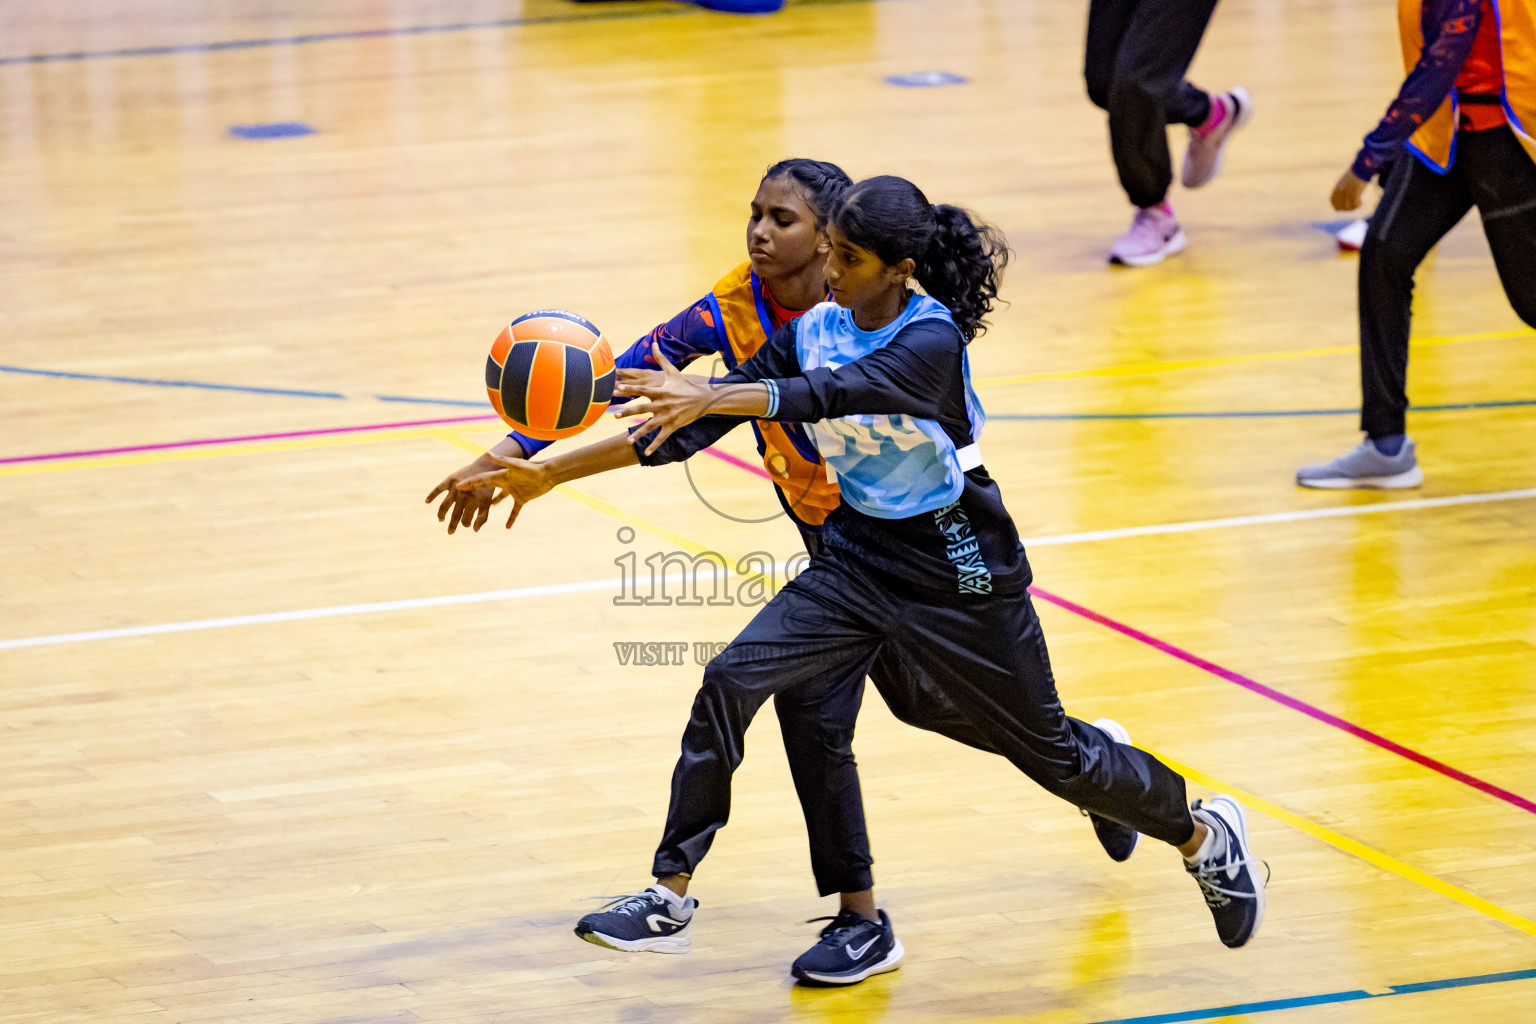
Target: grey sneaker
(1203,158)
(1365,467)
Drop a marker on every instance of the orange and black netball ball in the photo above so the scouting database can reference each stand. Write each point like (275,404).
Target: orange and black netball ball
(550,374)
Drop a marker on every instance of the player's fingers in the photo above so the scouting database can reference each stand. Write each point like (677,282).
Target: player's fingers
(466,509)
(665,432)
(633,409)
(442,510)
(497,498)
(517,506)
(482,515)
(662,360)
(439,489)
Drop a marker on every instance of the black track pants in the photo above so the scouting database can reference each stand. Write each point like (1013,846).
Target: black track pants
(1137,54)
(985,657)
(1491,172)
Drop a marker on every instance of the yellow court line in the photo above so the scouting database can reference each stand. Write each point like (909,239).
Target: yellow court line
(1366,853)
(1296,821)
(1164,366)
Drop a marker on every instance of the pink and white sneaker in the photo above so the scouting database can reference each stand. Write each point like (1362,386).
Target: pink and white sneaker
(1202,160)
(1154,235)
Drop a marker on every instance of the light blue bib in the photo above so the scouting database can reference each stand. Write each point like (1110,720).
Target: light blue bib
(887,466)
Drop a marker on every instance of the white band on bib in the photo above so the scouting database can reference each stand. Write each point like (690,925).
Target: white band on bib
(969,458)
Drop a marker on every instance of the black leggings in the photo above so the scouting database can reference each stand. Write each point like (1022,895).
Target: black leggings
(1492,172)
(984,657)
(1134,64)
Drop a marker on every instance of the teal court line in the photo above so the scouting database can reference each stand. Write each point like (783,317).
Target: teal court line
(1322,999)
(1516,403)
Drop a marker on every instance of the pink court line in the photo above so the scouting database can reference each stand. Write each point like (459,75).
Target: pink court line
(212,441)
(739,463)
(1286,700)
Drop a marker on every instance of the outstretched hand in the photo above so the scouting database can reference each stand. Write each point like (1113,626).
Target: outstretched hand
(522,479)
(673,399)
(462,506)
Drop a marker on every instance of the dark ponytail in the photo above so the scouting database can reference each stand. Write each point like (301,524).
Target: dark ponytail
(959,259)
(822,183)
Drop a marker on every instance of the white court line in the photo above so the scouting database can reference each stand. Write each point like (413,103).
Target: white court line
(1280,517)
(613,584)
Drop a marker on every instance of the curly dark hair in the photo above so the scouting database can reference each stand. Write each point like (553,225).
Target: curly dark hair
(822,183)
(959,258)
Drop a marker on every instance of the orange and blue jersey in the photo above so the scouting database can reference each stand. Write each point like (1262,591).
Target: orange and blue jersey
(732,322)
(1471,66)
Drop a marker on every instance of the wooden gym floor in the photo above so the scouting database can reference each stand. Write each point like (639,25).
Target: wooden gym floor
(279,751)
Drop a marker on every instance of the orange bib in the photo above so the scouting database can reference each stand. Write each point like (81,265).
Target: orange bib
(1435,140)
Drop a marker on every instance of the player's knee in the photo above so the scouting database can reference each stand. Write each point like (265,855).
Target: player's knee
(1132,96)
(722,680)
(1383,261)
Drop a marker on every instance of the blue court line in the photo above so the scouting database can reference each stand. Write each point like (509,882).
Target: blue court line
(430,401)
(1238,413)
(1015,417)
(158,383)
(1323,999)
(373,33)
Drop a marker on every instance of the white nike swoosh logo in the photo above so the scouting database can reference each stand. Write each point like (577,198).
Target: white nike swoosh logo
(856,953)
(657,920)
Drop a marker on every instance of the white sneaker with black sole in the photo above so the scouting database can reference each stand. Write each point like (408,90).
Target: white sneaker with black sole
(851,948)
(649,921)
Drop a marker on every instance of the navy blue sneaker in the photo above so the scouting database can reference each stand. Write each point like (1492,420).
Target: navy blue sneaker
(739,6)
(1227,877)
(644,922)
(1119,841)
(852,948)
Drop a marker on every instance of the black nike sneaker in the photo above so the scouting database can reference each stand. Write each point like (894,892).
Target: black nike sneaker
(1119,841)
(852,948)
(643,922)
(1226,876)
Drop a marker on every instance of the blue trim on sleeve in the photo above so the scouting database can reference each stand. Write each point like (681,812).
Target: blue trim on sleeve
(531,445)
(722,341)
(773,399)
(762,307)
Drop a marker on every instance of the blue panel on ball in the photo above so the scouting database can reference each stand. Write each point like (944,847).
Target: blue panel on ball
(577,397)
(514,380)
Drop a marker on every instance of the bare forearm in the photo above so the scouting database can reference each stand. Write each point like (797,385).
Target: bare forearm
(738,400)
(611,453)
(507,448)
